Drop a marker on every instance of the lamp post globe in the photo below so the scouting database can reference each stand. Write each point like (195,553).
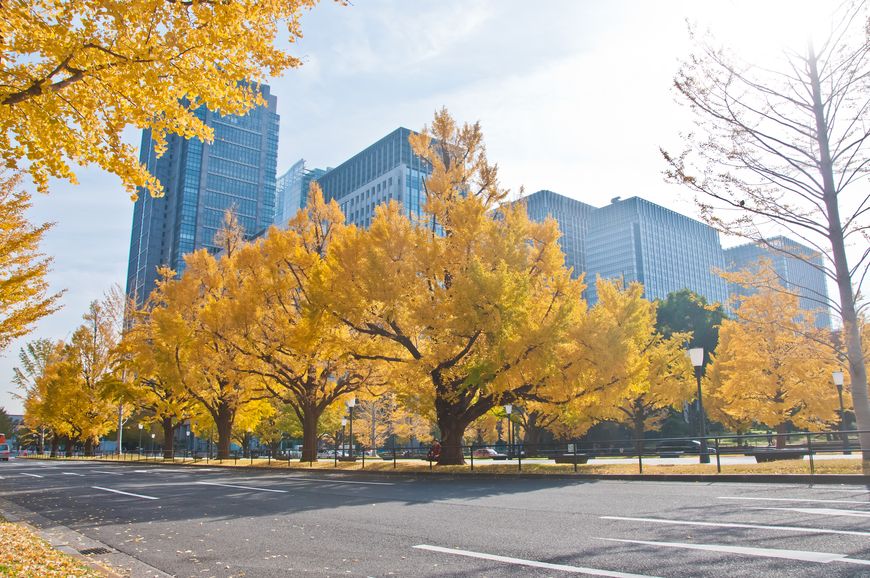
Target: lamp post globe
(696,355)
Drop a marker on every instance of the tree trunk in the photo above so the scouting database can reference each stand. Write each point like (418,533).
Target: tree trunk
(851,329)
(169,427)
(68,446)
(224,424)
(533,434)
(452,434)
(781,438)
(310,417)
(89,447)
(639,433)
(55,445)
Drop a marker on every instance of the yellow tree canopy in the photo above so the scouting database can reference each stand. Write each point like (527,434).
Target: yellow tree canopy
(304,355)
(196,306)
(627,371)
(74,74)
(465,303)
(24,297)
(772,366)
(155,355)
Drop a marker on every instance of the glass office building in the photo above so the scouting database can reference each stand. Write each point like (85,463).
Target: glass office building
(573,218)
(292,190)
(798,267)
(387,170)
(202,181)
(636,240)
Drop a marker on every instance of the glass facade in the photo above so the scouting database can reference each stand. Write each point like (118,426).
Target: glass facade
(387,170)
(799,268)
(573,218)
(236,171)
(293,191)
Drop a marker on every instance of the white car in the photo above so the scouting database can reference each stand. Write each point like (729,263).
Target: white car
(4,452)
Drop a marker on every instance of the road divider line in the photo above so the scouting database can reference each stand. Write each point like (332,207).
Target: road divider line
(820,501)
(108,473)
(242,487)
(800,555)
(31,475)
(737,525)
(72,474)
(124,493)
(530,563)
(822,512)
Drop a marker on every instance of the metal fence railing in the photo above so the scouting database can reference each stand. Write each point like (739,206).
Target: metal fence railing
(711,449)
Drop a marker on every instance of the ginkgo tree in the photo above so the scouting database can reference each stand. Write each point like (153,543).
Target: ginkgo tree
(627,371)
(772,366)
(283,331)
(74,74)
(462,302)
(155,357)
(196,305)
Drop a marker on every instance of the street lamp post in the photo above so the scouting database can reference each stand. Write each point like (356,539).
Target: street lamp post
(508,408)
(187,444)
(696,354)
(838,381)
(337,445)
(153,442)
(140,439)
(350,405)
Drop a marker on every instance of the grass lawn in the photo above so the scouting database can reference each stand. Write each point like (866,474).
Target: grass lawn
(827,466)
(24,554)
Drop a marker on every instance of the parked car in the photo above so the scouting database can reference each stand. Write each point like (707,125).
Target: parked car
(5,450)
(678,447)
(488,453)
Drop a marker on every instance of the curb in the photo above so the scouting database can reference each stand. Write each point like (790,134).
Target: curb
(824,479)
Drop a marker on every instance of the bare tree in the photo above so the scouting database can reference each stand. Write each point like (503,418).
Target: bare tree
(784,149)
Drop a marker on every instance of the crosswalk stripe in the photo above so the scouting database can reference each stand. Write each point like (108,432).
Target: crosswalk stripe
(738,525)
(800,555)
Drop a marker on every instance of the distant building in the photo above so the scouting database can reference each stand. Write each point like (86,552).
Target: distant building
(798,267)
(573,218)
(292,191)
(202,181)
(387,170)
(636,240)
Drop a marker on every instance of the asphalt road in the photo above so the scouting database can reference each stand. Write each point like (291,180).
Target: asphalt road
(217,522)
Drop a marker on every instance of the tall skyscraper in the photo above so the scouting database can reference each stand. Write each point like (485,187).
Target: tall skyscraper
(573,218)
(636,240)
(293,190)
(202,181)
(799,268)
(384,171)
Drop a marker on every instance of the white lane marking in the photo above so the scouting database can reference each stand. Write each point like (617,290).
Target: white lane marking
(794,500)
(531,563)
(821,511)
(72,474)
(31,475)
(242,487)
(124,493)
(735,525)
(321,480)
(802,555)
(108,473)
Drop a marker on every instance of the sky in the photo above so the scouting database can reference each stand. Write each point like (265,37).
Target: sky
(573,96)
